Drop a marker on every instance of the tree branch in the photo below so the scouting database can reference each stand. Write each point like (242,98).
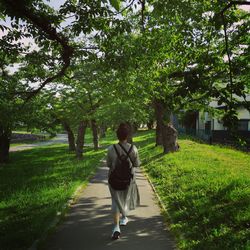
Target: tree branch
(86,48)
(234,3)
(130,4)
(142,14)
(44,24)
(228,56)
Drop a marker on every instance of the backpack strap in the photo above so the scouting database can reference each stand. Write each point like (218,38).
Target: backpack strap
(127,153)
(117,152)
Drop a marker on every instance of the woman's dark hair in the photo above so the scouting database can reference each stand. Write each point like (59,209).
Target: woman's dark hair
(122,132)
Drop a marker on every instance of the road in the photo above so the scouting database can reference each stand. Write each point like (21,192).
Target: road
(60,138)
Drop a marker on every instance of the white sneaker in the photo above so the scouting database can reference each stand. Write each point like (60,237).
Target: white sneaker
(124,221)
(116,233)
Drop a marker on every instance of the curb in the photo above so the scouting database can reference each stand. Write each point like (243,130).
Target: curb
(160,202)
(60,215)
(155,192)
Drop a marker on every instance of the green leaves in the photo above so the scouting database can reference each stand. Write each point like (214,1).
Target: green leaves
(115,4)
(180,54)
(217,22)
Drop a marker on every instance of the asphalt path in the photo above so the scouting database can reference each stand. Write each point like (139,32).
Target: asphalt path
(88,224)
(58,139)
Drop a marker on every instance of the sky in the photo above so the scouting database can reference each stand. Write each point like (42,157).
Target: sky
(246,7)
(56,4)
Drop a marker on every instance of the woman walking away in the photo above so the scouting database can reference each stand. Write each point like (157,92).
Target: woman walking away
(122,158)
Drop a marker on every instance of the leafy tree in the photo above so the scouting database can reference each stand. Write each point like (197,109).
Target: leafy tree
(15,112)
(163,54)
(56,43)
(209,30)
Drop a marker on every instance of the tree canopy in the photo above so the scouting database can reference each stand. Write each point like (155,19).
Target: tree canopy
(109,61)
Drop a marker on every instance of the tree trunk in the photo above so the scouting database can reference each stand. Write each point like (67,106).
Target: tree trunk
(166,134)
(103,130)
(150,124)
(80,139)
(135,127)
(130,137)
(170,139)
(5,135)
(95,134)
(71,137)
(159,121)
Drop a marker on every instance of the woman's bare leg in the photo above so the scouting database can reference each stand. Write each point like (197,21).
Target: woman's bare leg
(116,217)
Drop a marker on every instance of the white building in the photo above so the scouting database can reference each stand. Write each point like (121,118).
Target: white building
(212,127)
(207,121)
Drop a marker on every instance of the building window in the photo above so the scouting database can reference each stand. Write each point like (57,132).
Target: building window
(243,125)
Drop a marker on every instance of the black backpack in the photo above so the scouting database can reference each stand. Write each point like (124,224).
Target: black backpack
(121,176)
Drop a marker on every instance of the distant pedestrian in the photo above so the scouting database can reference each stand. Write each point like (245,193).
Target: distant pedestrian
(122,158)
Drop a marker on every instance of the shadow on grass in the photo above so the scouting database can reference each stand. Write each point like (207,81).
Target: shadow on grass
(34,187)
(209,218)
(209,208)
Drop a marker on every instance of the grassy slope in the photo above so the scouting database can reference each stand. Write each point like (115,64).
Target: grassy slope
(206,190)
(35,186)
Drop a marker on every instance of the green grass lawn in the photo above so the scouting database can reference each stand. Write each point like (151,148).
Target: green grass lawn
(35,186)
(206,189)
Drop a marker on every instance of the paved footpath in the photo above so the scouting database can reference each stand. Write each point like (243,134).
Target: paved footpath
(60,138)
(88,224)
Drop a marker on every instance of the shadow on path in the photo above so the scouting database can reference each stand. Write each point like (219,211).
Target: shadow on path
(88,225)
